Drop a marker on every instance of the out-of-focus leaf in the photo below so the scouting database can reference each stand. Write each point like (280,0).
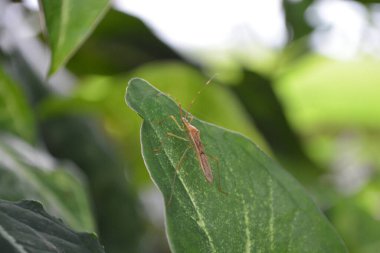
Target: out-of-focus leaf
(116,207)
(29,173)
(15,113)
(367,1)
(264,209)
(68,24)
(121,42)
(357,219)
(295,18)
(321,93)
(324,98)
(261,102)
(80,140)
(26,227)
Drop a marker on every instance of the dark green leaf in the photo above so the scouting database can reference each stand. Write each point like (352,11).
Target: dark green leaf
(25,227)
(80,139)
(264,210)
(121,42)
(115,202)
(29,173)
(264,107)
(295,18)
(68,24)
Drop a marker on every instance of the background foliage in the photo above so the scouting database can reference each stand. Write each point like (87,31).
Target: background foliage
(70,142)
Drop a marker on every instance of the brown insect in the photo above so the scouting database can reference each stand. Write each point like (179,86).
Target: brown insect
(195,139)
(196,143)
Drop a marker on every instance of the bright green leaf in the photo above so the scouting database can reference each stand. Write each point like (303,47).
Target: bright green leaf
(323,95)
(68,24)
(15,114)
(29,173)
(264,210)
(26,227)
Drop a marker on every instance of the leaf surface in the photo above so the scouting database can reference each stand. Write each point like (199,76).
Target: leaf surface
(25,227)
(264,210)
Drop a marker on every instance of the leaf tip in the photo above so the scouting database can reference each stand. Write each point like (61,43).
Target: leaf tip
(54,66)
(136,91)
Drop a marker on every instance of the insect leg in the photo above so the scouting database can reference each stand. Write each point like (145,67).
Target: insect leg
(176,136)
(219,179)
(176,122)
(177,168)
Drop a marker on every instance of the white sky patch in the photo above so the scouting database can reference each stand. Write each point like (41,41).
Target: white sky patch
(209,24)
(342,31)
(31,4)
(342,28)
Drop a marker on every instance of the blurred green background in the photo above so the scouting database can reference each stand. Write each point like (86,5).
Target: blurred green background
(309,98)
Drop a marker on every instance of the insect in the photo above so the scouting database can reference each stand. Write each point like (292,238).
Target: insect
(194,137)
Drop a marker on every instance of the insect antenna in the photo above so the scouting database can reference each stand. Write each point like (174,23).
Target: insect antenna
(199,92)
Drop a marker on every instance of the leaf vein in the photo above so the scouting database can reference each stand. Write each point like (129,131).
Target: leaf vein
(271,218)
(11,240)
(201,221)
(63,24)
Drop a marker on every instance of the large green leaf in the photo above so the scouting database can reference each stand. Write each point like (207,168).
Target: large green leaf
(68,24)
(264,210)
(26,227)
(29,173)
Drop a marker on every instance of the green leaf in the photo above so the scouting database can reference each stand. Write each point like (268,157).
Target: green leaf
(68,24)
(332,85)
(26,227)
(260,101)
(15,113)
(295,18)
(264,210)
(29,173)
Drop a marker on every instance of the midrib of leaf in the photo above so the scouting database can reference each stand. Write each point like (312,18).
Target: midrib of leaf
(63,24)
(62,29)
(201,221)
(11,240)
